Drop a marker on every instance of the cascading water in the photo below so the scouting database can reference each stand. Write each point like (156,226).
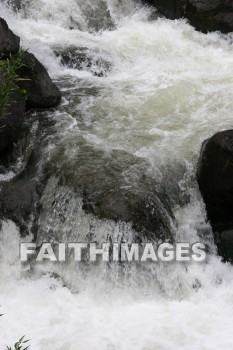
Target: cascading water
(165,89)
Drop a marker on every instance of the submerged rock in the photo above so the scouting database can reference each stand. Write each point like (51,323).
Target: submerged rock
(41,91)
(9,42)
(215,179)
(12,120)
(83,59)
(116,187)
(204,15)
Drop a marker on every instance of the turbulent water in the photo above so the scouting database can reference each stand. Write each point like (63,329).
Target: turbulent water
(165,89)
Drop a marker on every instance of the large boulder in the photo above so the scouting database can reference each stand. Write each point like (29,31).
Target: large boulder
(12,120)
(215,179)
(41,91)
(204,15)
(9,42)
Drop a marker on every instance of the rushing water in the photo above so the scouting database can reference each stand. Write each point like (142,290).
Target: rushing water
(166,88)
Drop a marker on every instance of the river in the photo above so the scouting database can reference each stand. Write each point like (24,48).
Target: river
(164,90)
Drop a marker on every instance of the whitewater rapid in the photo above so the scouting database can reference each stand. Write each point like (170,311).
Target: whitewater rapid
(169,88)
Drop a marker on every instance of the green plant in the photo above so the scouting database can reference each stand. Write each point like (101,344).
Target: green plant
(20,345)
(9,73)
(24,93)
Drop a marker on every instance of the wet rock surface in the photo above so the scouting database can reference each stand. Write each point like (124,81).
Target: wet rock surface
(41,91)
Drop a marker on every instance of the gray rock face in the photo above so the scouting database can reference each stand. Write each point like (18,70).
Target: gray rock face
(41,91)
(204,15)
(9,42)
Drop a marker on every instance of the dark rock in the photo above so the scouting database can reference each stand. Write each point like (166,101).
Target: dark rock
(9,42)
(12,120)
(83,59)
(114,186)
(204,15)
(41,91)
(215,179)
